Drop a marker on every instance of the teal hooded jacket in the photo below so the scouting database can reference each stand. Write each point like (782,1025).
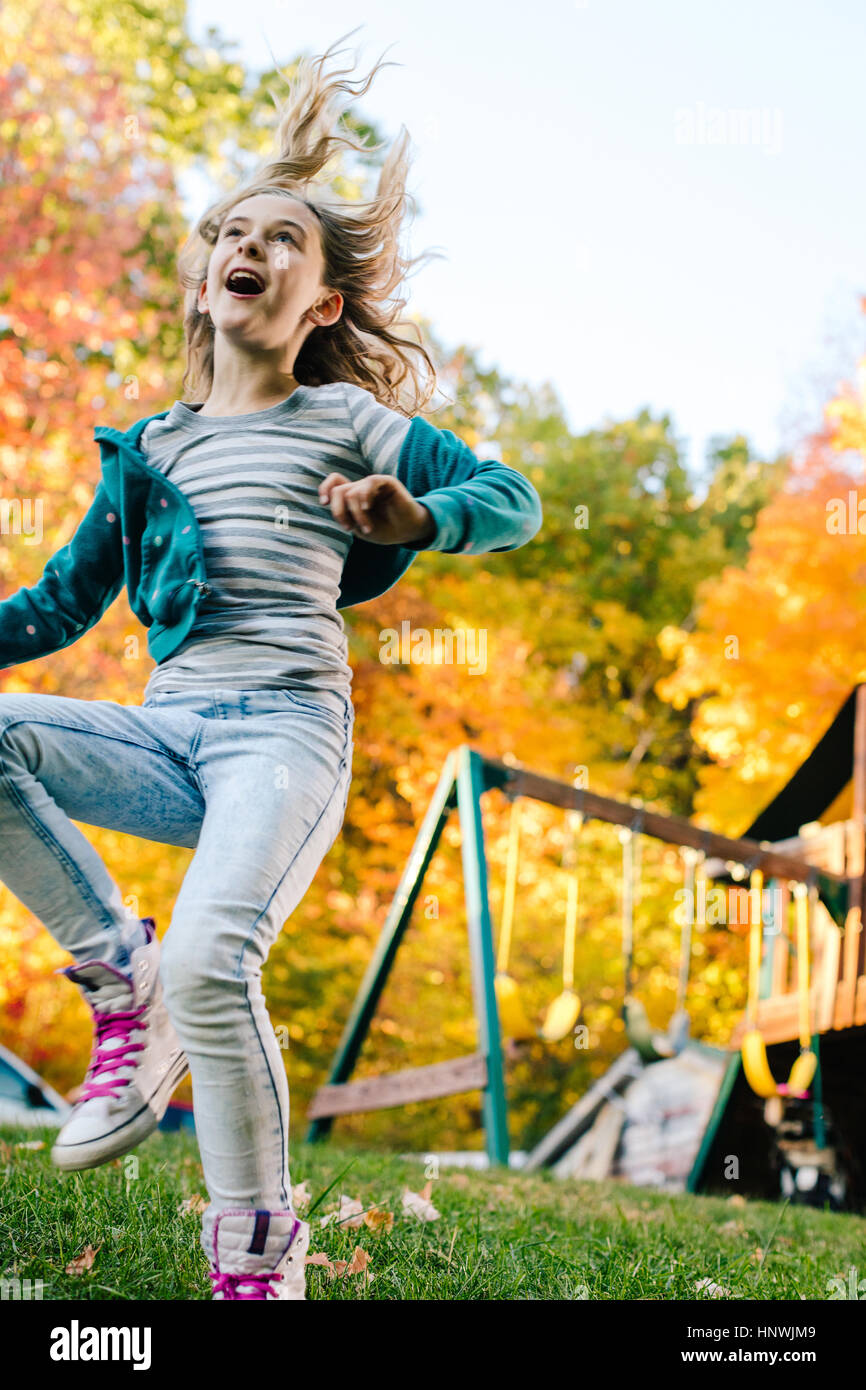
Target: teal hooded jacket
(141,531)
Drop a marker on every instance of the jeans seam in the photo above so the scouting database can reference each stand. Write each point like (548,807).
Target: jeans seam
(241,974)
(192,764)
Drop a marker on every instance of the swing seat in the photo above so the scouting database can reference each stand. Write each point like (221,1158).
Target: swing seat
(762,1080)
(753,1049)
(561,1016)
(512,1018)
(648,1042)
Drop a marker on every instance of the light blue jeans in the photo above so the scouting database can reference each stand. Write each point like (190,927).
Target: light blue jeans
(257,782)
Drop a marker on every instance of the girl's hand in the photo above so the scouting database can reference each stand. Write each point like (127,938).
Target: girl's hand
(377,508)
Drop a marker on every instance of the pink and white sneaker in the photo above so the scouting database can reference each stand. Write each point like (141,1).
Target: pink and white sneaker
(136,1063)
(256,1254)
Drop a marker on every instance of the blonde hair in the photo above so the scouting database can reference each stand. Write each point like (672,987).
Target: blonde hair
(360,247)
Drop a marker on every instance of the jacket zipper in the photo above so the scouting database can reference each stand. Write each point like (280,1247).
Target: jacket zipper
(203,587)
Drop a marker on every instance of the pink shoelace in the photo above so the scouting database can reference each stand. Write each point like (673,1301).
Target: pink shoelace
(108,1027)
(227,1284)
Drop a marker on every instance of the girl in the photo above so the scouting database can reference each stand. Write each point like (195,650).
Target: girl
(231,522)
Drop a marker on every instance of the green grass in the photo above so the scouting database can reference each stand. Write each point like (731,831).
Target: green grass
(500,1235)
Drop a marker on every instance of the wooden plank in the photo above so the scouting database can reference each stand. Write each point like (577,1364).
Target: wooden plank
(449,1078)
(574,1160)
(673,830)
(580,1117)
(825,849)
(848,984)
(830,935)
(607,1128)
(781,952)
(593,1154)
(778,1019)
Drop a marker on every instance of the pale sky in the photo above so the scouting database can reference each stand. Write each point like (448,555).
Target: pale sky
(615,221)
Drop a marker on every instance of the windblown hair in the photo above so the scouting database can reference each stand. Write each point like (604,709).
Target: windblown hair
(370,345)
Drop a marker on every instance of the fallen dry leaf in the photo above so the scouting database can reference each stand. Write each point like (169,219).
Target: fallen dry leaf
(31,1144)
(194,1203)
(351,1213)
(339,1269)
(736,1200)
(379,1220)
(319,1258)
(83,1261)
(359,1264)
(715,1290)
(419,1204)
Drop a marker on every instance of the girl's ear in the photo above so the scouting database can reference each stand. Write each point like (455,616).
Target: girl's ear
(328,311)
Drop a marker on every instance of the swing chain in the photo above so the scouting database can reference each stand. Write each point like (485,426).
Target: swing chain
(576,816)
(625,832)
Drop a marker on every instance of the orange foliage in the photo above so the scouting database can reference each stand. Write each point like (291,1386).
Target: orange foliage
(780,643)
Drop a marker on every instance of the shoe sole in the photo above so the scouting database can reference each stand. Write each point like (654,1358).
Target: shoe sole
(93,1152)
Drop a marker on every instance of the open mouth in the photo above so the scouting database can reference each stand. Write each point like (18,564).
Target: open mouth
(245,284)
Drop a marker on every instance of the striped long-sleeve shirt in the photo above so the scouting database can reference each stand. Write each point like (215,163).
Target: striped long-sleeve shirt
(274,553)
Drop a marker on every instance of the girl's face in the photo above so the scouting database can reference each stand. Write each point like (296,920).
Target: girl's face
(277,240)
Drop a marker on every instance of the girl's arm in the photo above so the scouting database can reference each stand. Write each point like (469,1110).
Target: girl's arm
(78,584)
(477,506)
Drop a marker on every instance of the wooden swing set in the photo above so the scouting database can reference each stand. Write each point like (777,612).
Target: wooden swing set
(466,776)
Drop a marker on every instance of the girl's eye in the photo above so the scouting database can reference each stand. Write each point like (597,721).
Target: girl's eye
(229,231)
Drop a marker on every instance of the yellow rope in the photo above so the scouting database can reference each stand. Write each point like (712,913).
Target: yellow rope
(801,895)
(510,888)
(575,821)
(756,886)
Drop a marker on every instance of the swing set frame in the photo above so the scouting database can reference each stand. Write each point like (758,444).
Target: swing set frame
(466,775)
